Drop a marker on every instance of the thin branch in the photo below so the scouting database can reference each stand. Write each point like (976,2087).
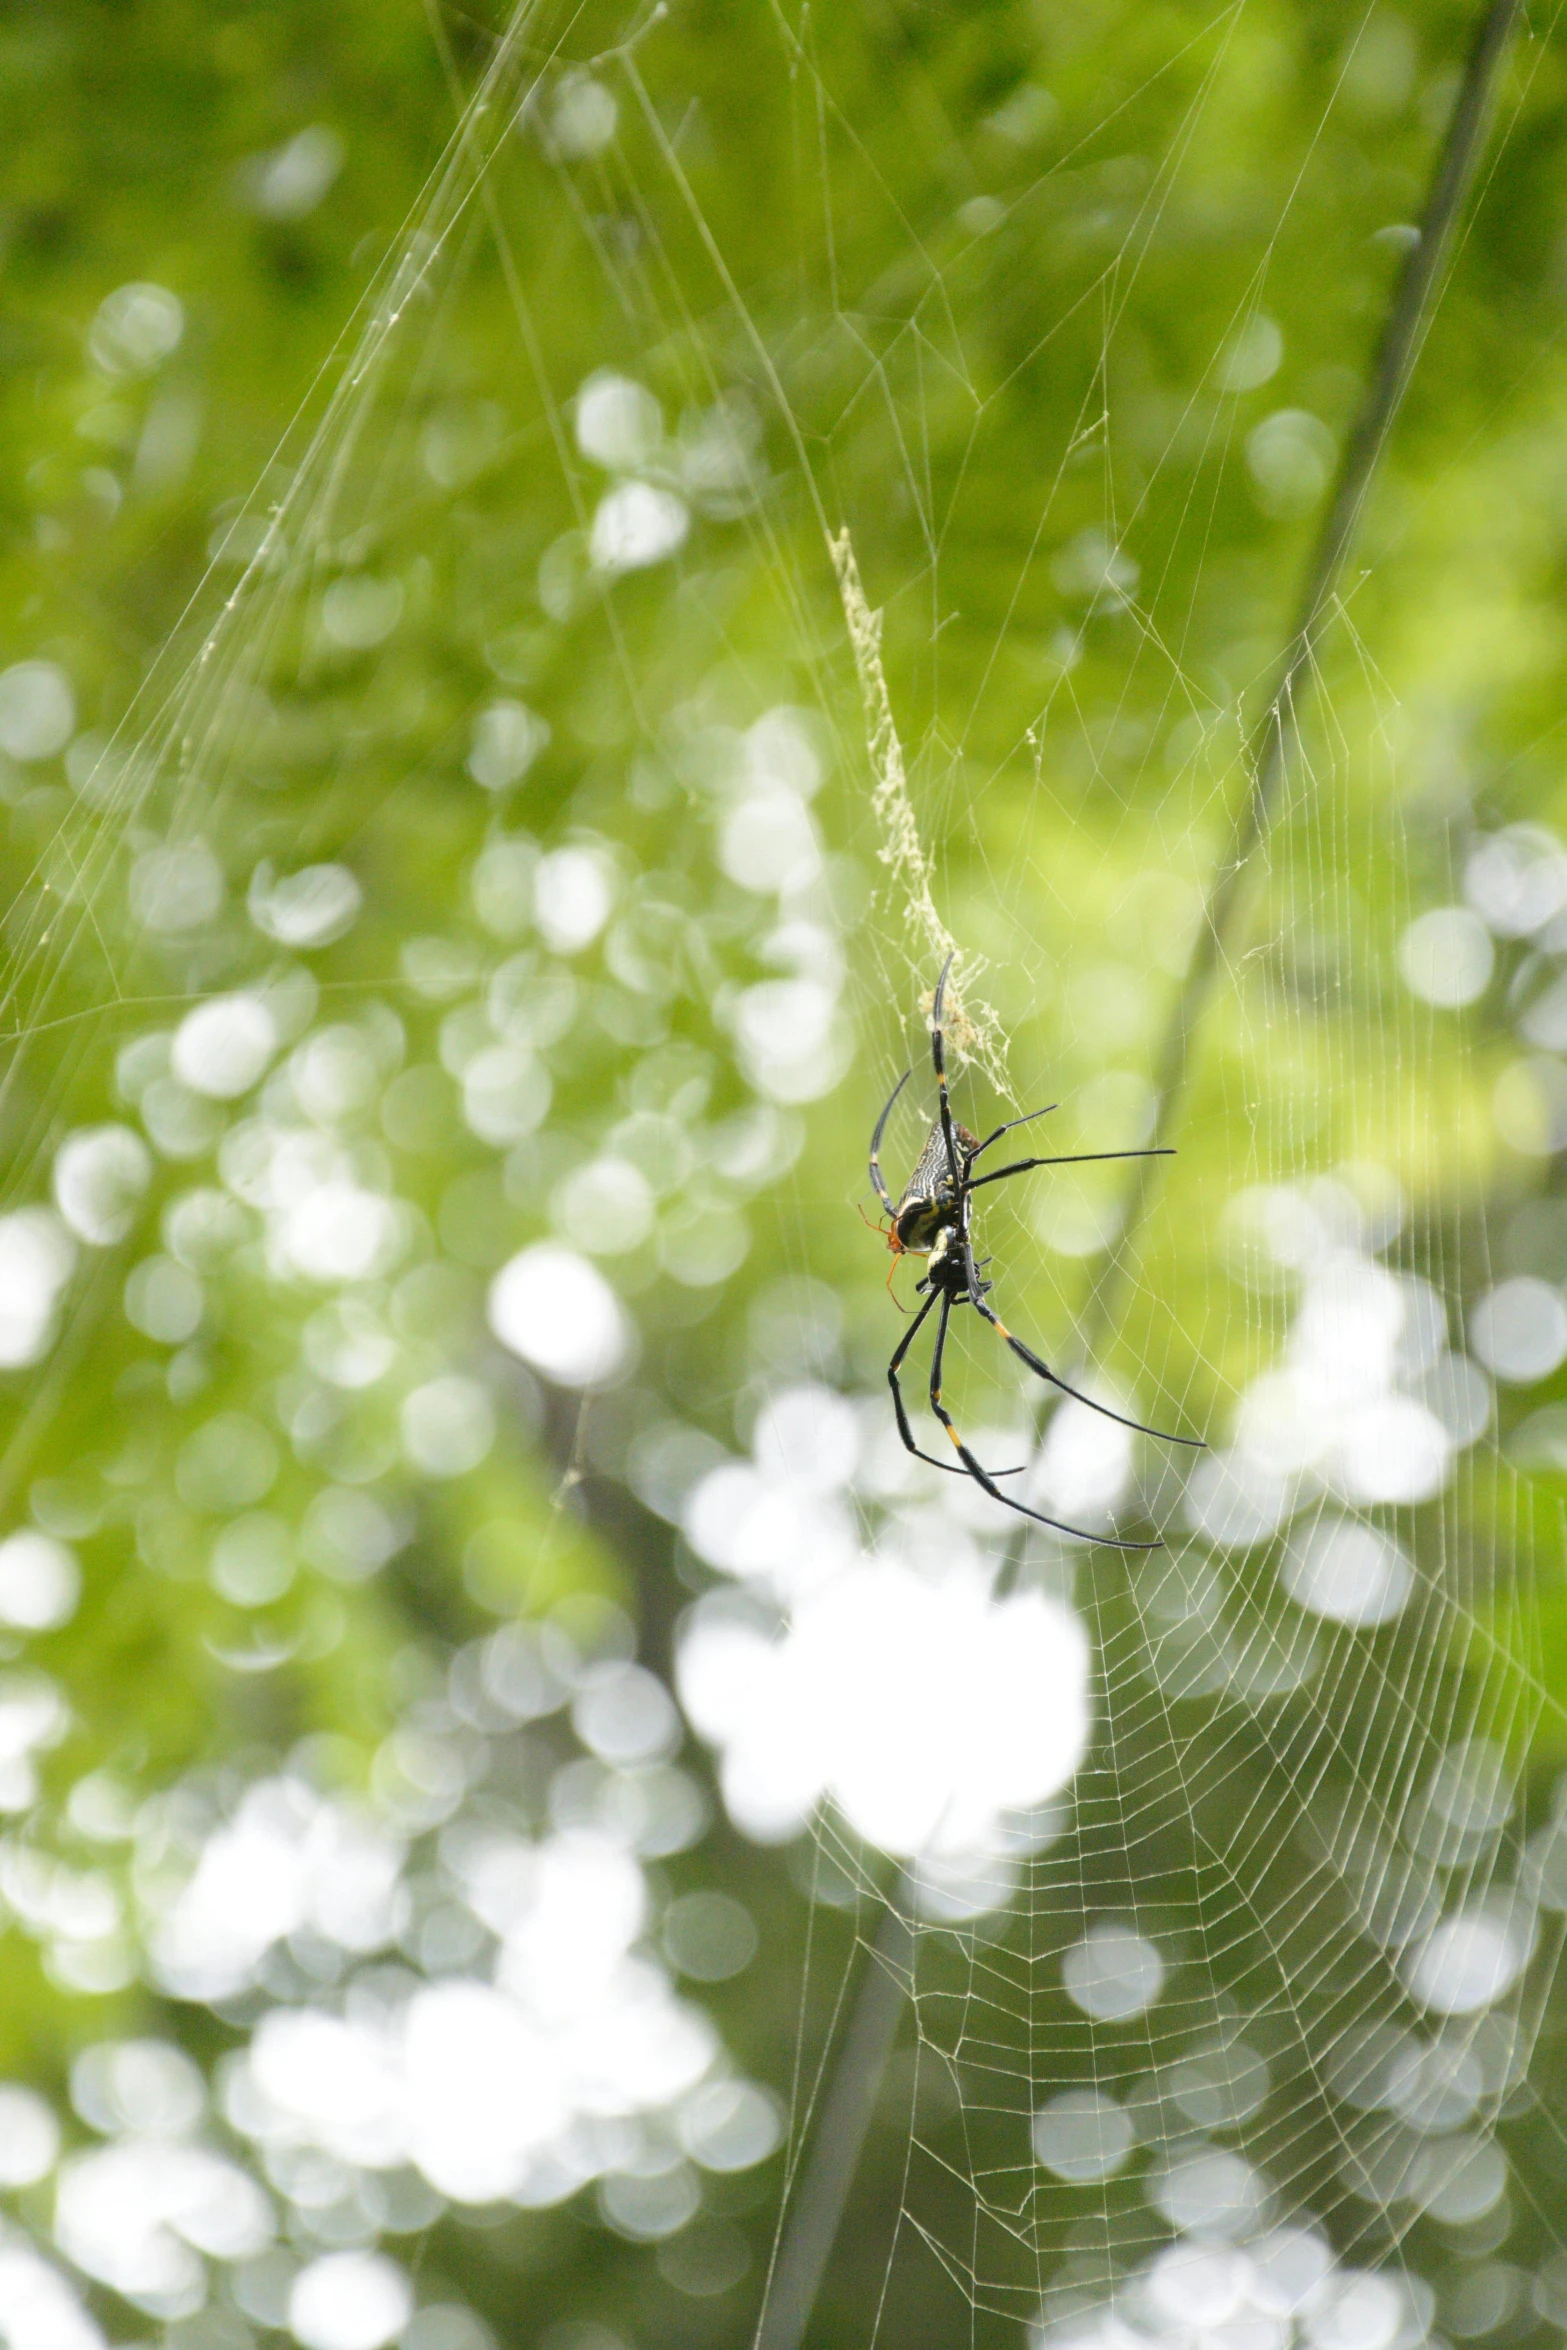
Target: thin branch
(811,2226)
(1276,732)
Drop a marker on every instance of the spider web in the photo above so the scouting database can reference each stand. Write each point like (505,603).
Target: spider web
(1280,1954)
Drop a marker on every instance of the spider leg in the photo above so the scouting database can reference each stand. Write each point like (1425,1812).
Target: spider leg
(1076,1159)
(882,1192)
(982,1476)
(898,1405)
(1026,1120)
(1027,1355)
(938,1054)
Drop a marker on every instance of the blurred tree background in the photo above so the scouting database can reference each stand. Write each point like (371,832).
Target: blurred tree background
(478,1662)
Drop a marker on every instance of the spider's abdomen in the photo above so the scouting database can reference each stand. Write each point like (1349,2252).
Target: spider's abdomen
(929,1201)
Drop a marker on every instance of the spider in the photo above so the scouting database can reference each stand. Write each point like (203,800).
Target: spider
(933,1219)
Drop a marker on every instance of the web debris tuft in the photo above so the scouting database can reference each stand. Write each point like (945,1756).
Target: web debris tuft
(972,1030)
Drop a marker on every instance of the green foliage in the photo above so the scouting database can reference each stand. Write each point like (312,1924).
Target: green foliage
(1066,314)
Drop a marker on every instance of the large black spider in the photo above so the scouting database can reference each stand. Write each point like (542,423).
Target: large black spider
(933,1220)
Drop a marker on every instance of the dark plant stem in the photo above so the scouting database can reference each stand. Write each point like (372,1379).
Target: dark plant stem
(811,2222)
(1272,739)
(816,2208)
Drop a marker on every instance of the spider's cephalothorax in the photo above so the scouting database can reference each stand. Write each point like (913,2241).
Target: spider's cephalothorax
(933,1219)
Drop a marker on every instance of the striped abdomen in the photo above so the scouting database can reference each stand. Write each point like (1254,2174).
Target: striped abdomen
(930,1197)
